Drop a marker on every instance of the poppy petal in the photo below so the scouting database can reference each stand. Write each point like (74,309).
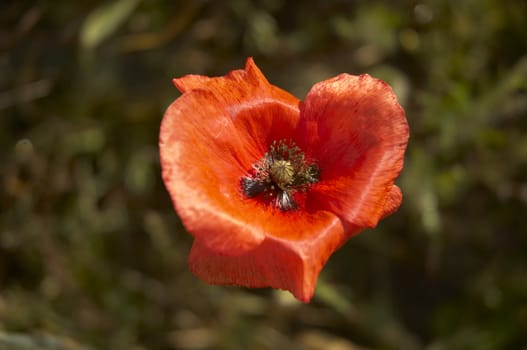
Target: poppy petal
(188,152)
(261,112)
(356,129)
(209,139)
(278,263)
(393,202)
(241,85)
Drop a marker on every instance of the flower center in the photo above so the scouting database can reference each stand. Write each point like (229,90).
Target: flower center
(282,172)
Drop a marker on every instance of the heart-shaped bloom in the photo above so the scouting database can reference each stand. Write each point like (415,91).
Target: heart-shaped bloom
(271,186)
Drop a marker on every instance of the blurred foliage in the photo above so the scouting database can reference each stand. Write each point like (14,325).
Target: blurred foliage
(92,254)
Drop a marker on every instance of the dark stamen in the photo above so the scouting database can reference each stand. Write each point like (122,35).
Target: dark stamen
(252,187)
(285,202)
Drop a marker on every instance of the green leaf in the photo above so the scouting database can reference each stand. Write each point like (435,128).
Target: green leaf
(105,20)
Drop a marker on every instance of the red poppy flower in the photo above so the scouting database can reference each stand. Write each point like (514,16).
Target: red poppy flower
(271,186)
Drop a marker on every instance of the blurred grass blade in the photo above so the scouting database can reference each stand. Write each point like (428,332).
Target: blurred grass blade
(21,341)
(334,299)
(104,20)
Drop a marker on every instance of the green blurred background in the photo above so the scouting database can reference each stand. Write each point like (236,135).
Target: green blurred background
(92,255)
